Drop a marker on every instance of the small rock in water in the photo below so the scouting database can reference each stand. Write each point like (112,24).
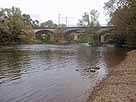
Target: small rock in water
(77,69)
(85,69)
(89,68)
(97,68)
(92,71)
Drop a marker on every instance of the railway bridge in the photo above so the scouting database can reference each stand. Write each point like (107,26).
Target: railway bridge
(62,35)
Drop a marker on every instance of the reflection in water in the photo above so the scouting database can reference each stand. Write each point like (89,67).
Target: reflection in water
(11,64)
(53,73)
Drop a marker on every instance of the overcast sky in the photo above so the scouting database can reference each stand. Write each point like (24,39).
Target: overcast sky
(44,10)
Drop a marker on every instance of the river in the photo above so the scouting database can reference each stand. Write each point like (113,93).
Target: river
(53,73)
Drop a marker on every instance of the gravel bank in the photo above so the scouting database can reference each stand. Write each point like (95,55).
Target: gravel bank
(120,86)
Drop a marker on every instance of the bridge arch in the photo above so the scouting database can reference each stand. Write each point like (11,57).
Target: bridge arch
(72,34)
(45,34)
(105,35)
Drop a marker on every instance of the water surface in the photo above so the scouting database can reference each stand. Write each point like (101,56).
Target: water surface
(53,73)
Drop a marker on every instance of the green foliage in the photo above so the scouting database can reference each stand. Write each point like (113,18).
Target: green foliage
(84,38)
(48,24)
(94,17)
(92,39)
(13,27)
(90,21)
(28,20)
(5,35)
(124,20)
(62,25)
(28,35)
(45,38)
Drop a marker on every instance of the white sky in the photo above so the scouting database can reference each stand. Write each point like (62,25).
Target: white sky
(44,10)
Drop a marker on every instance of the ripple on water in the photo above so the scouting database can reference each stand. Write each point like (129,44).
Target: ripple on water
(47,73)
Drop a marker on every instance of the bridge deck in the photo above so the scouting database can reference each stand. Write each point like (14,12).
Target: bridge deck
(71,27)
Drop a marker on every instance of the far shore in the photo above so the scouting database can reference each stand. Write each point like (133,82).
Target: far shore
(120,86)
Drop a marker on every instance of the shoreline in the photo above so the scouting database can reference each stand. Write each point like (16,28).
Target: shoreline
(120,84)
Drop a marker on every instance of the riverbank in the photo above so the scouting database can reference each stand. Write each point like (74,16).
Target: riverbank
(120,86)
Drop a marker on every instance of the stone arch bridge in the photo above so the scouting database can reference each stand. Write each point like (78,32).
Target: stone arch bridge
(62,35)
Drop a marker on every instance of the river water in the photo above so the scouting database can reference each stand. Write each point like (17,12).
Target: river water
(53,73)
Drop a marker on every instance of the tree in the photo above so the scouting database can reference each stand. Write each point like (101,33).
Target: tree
(112,5)
(27,19)
(90,19)
(5,35)
(35,23)
(94,17)
(48,24)
(62,25)
(85,21)
(86,18)
(124,20)
(80,23)
(13,23)
(13,26)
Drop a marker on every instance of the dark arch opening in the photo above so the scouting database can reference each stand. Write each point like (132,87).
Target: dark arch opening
(44,36)
(105,36)
(69,35)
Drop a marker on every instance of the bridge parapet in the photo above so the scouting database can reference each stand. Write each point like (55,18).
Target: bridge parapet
(71,27)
